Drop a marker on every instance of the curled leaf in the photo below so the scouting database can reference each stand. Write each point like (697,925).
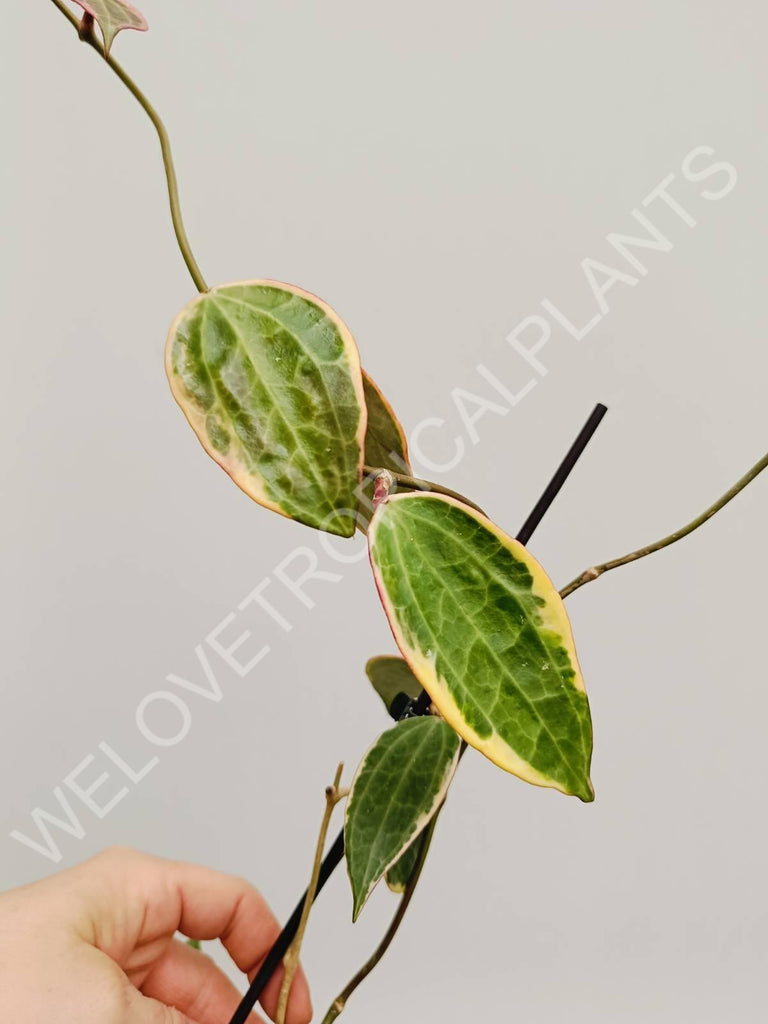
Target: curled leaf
(386,446)
(399,875)
(269,378)
(400,784)
(113,16)
(389,676)
(486,634)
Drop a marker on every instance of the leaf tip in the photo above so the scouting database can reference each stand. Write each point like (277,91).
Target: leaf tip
(587,794)
(396,887)
(357,906)
(341,523)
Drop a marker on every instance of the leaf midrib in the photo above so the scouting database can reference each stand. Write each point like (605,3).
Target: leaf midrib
(577,772)
(297,339)
(391,802)
(309,463)
(571,691)
(513,592)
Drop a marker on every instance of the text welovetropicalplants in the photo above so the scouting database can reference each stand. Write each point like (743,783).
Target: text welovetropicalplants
(270,380)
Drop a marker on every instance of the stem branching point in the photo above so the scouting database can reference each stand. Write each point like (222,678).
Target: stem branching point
(333,794)
(402,482)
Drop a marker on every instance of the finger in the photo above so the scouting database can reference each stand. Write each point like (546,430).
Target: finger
(299,1002)
(133,899)
(136,899)
(148,1011)
(191,981)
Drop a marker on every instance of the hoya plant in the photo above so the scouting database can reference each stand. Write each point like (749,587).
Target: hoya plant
(270,380)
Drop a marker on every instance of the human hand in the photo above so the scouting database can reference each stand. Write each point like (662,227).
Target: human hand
(95,945)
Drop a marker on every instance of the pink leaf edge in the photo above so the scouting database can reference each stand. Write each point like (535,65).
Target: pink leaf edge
(142,25)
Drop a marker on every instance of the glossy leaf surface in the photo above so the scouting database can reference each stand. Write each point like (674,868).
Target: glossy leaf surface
(269,378)
(390,675)
(398,787)
(112,17)
(486,634)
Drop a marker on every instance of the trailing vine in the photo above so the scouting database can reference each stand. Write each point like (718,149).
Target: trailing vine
(269,378)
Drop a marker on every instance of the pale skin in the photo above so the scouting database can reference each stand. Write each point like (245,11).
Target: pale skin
(97,945)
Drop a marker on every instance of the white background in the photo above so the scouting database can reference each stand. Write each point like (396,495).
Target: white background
(433,171)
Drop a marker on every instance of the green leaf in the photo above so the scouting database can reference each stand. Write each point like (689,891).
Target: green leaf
(113,16)
(390,675)
(385,443)
(486,634)
(269,378)
(400,784)
(399,875)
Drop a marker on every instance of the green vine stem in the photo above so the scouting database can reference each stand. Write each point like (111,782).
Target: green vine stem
(333,795)
(597,570)
(586,577)
(412,483)
(340,1002)
(84,29)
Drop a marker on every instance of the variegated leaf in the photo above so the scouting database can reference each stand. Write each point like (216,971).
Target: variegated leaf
(389,676)
(399,785)
(112,17)
(269,378)
(486,634)
(385,444)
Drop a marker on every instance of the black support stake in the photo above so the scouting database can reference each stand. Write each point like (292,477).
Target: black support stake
(335,854)
(562,473)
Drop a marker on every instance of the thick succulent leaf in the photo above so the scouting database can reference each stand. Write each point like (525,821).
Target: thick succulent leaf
(269,378)
(385,443)
(486,634)
(113,16)
(399,874)
(398,787)
(390,675)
